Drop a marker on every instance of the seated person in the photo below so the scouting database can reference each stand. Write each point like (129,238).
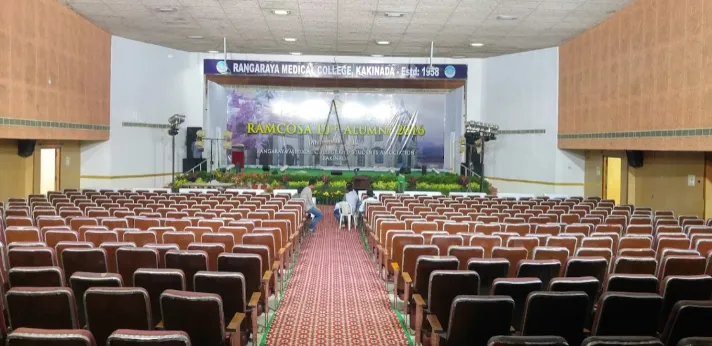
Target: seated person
(369,199)
(351,198)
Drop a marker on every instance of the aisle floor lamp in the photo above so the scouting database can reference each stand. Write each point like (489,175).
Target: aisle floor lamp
(174,122)
(482,132)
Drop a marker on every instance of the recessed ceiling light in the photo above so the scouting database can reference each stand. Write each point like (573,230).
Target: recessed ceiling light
(170,56)
(377,55)
(295,53)
(383,43)
(507,17)
(214,51)
(290,39)
(195,37)
(475,44)
(458,56)
(394,14)
(281,12)
(166,9)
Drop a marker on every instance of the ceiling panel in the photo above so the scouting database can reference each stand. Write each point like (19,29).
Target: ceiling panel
(337,27)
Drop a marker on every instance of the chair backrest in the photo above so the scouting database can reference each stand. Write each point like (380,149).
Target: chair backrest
(189,261)
(627,314)
(129,337)
(249,264)
(519,289)
(198,314)
(426,265)
(50,337)
(230,286)
(444,286)
(677,288)
(545,270)
(31,257)
(109,309)
(622,341)
(506,340)
(635,283)
(489,270)
(36,277)
(155,281)
(92,260)
(688,318)
(491,314)
(464,253)
(42,307)
(80,282)
(556,313)
(634,265)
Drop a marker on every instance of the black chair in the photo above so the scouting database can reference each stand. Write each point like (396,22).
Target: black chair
(695,341)
(545,270)
(503,340)
(677,288)
(489,270)
(636,283)
(689,318)
(556,313)
(627,314)
(622,341)
(518,289)
(491,314)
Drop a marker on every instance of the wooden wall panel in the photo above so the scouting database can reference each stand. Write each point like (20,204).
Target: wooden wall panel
(55,69)
(642,79)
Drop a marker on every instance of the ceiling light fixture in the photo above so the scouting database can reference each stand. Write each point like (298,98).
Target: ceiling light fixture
(166,9)
(383,43)
(195,37)
(295,53)
(281,12)
(214,51)
(290,39)
(507,17)
(458,56)
(377,55)
(394,14)
(475,44)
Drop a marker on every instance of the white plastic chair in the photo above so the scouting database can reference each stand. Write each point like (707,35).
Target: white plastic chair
(347,213)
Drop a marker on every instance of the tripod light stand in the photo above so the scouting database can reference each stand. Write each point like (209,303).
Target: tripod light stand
(174,122)
(482,133)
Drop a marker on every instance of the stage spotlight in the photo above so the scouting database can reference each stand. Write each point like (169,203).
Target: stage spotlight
(356,170)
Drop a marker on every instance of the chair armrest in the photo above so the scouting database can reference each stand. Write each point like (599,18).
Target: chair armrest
(418,300)
(435,323)
(275,266)
(159,325)
(267,276)
(406,278)
(254,300)
(235,322)
(396,267)
(281,251)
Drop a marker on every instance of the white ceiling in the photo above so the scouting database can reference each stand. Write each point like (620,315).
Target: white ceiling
(350,27)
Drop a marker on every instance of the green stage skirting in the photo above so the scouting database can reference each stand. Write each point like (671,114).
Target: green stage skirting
(331,188)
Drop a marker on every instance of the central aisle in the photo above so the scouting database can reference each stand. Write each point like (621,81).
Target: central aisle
(334,296)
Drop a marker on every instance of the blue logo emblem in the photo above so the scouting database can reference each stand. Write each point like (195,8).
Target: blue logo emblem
(221,66)
(450,71)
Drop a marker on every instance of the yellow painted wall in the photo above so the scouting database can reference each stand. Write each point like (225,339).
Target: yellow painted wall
(20,177)
(16,173)
(594,174)
(613,178)
(708,186)
(662,182)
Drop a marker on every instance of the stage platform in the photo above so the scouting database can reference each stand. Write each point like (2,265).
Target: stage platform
(315,172)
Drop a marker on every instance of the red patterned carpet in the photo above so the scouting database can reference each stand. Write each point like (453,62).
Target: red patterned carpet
(334,296)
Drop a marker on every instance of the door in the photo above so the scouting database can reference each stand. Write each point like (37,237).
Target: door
(612,167)
(49,170)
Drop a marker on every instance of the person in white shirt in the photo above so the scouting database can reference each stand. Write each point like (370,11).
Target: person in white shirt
(351,198)
(309,205)
(369,198)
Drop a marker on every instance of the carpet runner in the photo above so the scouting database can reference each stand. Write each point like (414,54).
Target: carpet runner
(334,296)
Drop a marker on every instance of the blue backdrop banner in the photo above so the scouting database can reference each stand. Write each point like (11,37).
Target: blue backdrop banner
(333,70)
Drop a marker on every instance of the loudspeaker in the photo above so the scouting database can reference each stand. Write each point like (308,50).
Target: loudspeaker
(265,168)
(337,173)
(635,158)
(26,147)
(424,170)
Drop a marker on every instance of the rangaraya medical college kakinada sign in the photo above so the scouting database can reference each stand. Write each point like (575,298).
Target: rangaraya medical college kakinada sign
(333,70)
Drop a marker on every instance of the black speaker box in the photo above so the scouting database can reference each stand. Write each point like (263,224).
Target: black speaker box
(26,147)
(337,173)
(635,158)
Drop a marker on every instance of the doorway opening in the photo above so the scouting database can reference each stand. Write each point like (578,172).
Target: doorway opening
(49,170)
(612,167)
